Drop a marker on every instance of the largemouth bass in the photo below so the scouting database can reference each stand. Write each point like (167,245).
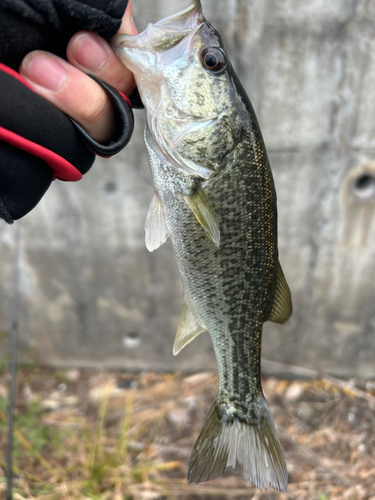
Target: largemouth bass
(216,202)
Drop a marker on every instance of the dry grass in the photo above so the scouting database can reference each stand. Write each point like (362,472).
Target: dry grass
(123,436)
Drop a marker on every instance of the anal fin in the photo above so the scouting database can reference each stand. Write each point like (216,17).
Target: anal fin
(282,304)
(205,214)
(155,227)
(189,327)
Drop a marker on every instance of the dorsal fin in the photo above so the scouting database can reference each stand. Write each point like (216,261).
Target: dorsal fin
(205,214)
(189,327)
(155,227)
(282,304)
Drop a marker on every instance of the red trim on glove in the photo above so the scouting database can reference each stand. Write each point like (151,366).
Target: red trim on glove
(15,75)
(62,169)
(126,98)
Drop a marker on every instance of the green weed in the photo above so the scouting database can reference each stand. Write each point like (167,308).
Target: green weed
(35,433)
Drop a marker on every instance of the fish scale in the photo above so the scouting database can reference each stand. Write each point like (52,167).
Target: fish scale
(215,201)
(248,267)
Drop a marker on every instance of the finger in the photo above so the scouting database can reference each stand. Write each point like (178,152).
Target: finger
(73,92)
(128,26)
(91,54)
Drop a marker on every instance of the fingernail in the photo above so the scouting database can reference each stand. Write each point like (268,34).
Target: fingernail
(133,26)
(128,26)
(89,52)
(44,71)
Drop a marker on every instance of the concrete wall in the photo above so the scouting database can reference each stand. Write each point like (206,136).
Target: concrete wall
(92,295)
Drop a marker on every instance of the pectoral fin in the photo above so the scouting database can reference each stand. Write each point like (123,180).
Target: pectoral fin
(155,227)
(282,305)
(205,214)
(188,328)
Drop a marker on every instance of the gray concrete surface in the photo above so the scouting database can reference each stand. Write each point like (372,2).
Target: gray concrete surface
(91,294)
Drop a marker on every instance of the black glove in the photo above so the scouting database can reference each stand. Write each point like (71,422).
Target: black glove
(27,25)
(37,141)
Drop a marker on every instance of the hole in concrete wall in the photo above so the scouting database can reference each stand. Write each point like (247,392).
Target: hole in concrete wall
(110,187)
(131,340)
(364,185)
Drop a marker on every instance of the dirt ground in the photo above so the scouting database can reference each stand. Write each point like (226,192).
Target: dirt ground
(99,435)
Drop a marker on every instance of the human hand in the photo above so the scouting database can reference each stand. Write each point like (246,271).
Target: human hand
(67,86)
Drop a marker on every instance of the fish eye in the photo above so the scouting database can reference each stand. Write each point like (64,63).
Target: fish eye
(213,59)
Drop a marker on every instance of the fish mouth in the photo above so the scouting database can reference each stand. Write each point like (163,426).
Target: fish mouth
(187,16)
(170,29)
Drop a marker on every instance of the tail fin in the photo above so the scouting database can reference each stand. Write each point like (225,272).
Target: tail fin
(252,450)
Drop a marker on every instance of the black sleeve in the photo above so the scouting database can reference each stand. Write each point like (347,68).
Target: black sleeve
(37,143)
(28,118)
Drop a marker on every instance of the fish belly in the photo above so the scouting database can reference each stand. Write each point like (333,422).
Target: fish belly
(230,288)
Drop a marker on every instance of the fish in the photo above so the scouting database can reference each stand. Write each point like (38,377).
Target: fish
(215,201)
